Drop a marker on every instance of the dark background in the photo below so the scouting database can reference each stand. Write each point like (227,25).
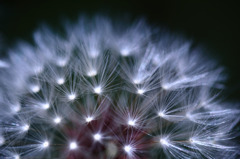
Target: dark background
(213,24)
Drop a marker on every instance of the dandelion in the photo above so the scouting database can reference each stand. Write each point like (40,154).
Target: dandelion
(104,90)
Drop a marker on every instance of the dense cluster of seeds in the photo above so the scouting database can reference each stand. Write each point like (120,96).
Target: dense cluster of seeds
(103,90)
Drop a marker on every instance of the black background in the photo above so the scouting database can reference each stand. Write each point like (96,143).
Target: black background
(213,24)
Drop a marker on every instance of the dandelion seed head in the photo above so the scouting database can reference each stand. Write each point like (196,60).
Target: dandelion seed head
(139,89)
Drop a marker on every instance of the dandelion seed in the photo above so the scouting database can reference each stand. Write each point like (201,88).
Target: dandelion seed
(97,137)
(3,64)
(38,69)
(191,140)
(125,52)
(92,73)
(164,142)
(98,90)
(71,96)
(16,157)
(45,106)
(62,62)
(188,115)
(57,120)
(165,86)
(161,114)
(35,88)
(89,119)
(25,127)
(45,144)
(128,149)
(140,91)
(131,122)
(16,108)
(73,146)
(137,81)
(2,140)
(60,81)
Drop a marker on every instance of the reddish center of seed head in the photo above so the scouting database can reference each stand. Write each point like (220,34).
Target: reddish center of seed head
(96,135)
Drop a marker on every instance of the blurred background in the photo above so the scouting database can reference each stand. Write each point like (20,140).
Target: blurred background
(213,24)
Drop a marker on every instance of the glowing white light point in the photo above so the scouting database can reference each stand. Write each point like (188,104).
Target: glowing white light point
(128,148)
(60,81)
(137,81)
(45,144)
(92,73)
(125,52)
(16,108)
(156,60)
(38,69)
(89,119)
(131,122)
(16,157)
(166,86)
(4,64)
(71,96)
(94,53)
(73,145)
(140,91)
(35,88)
(164,142)
(45,106)
(62,62)
(189,115)
(161,114)
(97,137)
(2,140)
(98,90)
(192,140)
(57,120)
(25,127)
